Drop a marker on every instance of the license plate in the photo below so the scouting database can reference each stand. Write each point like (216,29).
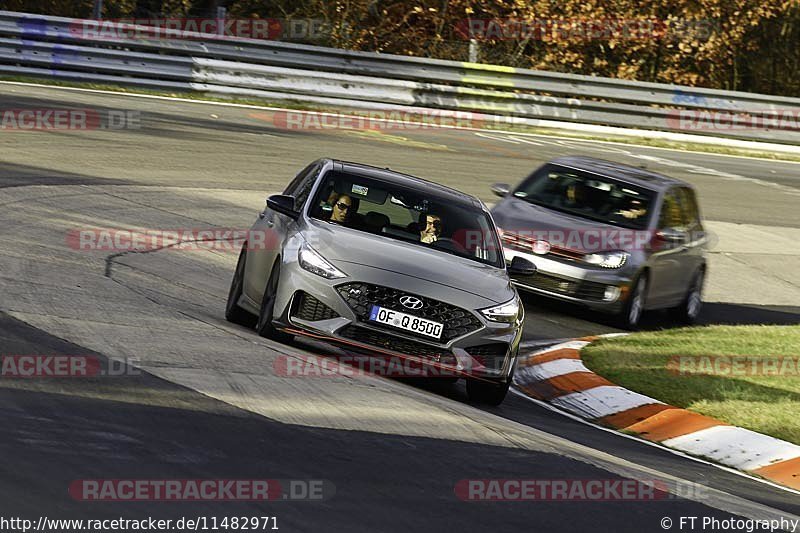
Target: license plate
(412,323)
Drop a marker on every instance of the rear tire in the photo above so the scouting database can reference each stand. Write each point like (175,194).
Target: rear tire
(264,326)
(632,311)
(489,393)
(234,313)
(689,309)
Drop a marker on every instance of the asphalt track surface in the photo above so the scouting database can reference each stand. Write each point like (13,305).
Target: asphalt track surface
(206,403)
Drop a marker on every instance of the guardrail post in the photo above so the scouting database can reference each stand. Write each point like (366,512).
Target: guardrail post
(473,50)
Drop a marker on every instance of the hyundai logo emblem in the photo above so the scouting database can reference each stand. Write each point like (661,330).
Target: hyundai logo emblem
(410,302)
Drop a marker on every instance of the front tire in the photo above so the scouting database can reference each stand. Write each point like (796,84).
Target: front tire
(233,312)
(689,309)
(632,311)
(264,326)
(481,391)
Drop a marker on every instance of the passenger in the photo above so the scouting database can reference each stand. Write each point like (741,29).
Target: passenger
(432,230)
(634,210)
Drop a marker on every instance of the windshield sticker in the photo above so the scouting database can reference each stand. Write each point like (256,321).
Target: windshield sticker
(360,189)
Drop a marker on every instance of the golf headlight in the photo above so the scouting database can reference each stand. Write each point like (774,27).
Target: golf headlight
(607,259)
(310,260)
(507,312)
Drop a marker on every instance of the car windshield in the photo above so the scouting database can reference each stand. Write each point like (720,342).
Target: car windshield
(588,195)
(382,208)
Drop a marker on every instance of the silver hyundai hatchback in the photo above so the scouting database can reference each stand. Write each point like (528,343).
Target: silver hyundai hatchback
(611,237)
(378,262)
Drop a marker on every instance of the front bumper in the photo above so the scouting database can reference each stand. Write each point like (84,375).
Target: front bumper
(314,306)
(600,289)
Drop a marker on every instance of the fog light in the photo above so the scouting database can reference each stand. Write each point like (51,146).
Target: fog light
(611,293)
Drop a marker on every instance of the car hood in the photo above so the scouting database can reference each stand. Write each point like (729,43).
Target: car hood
(345,246)
(513,214)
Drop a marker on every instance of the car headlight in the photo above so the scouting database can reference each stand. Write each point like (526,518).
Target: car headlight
(607,259)
(310,260)
(507,312)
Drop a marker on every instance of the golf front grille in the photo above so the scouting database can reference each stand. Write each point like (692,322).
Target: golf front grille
(575,288)
(362,296)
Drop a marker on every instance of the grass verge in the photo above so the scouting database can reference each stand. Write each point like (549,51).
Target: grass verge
(517,128)
(748,376)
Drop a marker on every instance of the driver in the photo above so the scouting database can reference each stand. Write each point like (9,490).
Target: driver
(433,228)
(576,195)
(342,207)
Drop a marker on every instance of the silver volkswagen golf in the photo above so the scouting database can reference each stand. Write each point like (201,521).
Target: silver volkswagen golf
(386,264)
(611,237)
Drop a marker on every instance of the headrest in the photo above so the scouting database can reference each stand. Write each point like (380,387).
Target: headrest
(375,221)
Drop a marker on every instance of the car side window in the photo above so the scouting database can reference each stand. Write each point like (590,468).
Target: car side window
(671,215)
(691,214)
(301,185)
(294,185)
(304,189)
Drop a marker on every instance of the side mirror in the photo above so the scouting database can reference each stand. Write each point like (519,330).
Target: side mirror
(521,267)
(670,235)
(284,204)
(501,189)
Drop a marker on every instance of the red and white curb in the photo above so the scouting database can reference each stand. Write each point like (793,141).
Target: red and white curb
(558,376)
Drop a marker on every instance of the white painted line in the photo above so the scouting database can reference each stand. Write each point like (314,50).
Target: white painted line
(548,370)
(735,446)
(538,344)
(613,335)
(602,401)
(575,345)
(580,420)
(497,138)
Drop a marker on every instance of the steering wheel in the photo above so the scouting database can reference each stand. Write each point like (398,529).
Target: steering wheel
(449,244)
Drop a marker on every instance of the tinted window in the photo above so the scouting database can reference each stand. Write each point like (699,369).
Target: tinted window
(691,214)
(305,187)
(295,183)
(390,211)
(588,195)
(671,214)
(301,185)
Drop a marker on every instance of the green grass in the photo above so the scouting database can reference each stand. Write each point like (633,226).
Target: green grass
(767,402)
(517,128)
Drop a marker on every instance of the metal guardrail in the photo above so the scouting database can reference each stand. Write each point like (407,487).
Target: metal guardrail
(56,47)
